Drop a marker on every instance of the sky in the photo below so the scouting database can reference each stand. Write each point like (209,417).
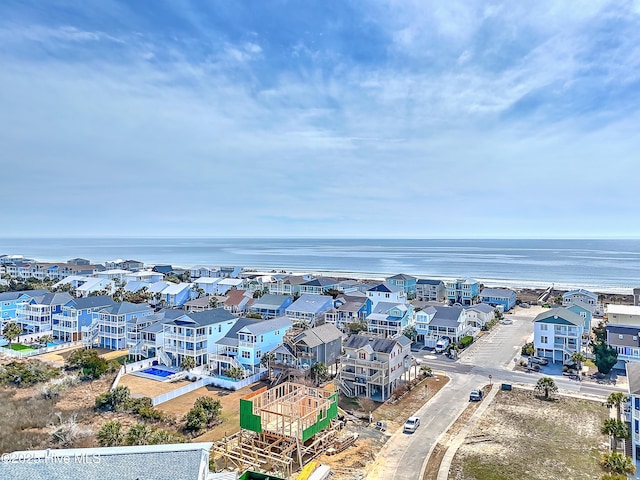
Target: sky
(326,118)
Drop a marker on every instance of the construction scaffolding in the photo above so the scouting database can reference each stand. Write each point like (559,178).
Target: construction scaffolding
(281,429)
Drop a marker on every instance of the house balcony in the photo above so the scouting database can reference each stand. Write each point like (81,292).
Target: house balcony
(183,350)
(349,361)
(378,377)
(182,337)
(242,343)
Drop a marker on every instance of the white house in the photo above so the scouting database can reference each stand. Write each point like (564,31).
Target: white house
(208,284)
(479,314)
(582,295)
(623,315)
(633,417)
(148,276)
(384,292)
(557,334)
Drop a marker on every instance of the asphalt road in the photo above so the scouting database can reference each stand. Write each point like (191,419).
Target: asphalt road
(403,456)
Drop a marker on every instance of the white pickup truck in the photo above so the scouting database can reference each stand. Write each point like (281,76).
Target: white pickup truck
(442,344)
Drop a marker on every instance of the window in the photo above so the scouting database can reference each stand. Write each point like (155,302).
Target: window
(258,353)
(277,332)
(543,326)
(620,337)
(219,328)
(637,403)
(362,355)
(261,338)
(246,354)
(544,339)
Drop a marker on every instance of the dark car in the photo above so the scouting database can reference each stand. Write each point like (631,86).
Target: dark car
(475,395)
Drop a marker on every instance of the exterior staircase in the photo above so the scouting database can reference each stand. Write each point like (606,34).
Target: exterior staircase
(216,357)
(139,349)
(92,336)
(347,390)
(163,357)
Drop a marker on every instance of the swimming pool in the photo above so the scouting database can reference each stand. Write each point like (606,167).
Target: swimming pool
(157,372)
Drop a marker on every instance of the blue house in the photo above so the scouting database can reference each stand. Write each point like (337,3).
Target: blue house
(462,290)
(271,306)
(390,319)
(407,282)
(246,342)
(499,296)
(585,311)
(109,328)
(77,316)
(35,314)
(9,302)
(308,309)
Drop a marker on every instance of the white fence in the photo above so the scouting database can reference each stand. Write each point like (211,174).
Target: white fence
(30,353)
(165,397)
(130,368)
(207,380)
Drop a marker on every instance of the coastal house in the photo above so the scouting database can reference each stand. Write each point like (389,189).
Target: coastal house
(632,418)
(557,334)
(194,335)
(76,317)
(207,284)
(148,276)
(462,290)
(301,348)
(10,301)
(624,338)
(151,337)
(271,306)
(200,304)
(389,319)
(288,284)
(383,292)
(178,461)
(636,297)
(214,271)
(238,302)
(176,294)
(430,290)
(479,314)
(436,322)
(406,282)
(586,312)
(581,295)
(245,343)
(347,309)
(116,274)
(319,286)
(109,327)
(309,309)
(119,264)
(372,367)
(623,315)
(91,285)
(225,285)
(499,297)
(164,269)
(35,314)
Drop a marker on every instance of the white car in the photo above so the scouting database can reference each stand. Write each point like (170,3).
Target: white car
(411,425)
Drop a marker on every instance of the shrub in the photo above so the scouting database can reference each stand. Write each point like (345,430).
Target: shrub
(90,363)
(196,419)
(527,349)
(150,413)
(117,399)
(110,434)
(136,405)
(23,374)
(466,341)
(205,411)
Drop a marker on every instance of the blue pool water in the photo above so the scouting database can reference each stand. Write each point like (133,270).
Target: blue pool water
(157,372)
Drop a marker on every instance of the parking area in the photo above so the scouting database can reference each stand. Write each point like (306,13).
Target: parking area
(502,345)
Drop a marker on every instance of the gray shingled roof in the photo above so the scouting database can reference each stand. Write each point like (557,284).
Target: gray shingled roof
(318,335)
(270,301)
(264,326)
(481,307)
(126,307)
(378,344)
(446,316)
(93,302)
(311,304)
(428,281)
(496,292)
(185,461)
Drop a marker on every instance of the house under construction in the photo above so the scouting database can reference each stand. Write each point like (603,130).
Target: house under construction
(281,428)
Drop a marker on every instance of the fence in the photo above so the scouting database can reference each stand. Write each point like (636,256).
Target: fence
(165,397)
(130,368)
(30,353)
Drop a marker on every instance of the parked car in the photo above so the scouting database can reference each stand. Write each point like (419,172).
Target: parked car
(411,425)
(506,321)
(442,344)
(538,360)
(475,395)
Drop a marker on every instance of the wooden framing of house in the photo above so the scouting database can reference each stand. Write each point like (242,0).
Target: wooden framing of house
(281,429)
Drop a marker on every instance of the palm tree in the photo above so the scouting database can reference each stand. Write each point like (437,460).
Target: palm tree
(617,430)
(139,434)
(618,463)
(617,399)
(46,339)
(547,386)
(319,371)
(234,373)
(187,363)
(11,332)
(110,434)
(266,361)
(578,358)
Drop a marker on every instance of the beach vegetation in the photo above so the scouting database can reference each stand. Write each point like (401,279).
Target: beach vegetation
(357,327)
(606,357)
(187,363)
(204,413)
(466,341)
(234,373)
(546,386)
(23,374)
(320,372)
(617,430)
(91,364)
(617,400)
(618,463)
(110,434)
(411,332)
(254,315)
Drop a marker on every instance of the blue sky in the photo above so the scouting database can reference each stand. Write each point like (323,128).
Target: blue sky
(327,118)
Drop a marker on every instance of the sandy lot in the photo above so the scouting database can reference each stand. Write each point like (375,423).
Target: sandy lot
(523,436)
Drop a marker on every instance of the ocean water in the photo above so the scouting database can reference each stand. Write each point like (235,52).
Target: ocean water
(604,265)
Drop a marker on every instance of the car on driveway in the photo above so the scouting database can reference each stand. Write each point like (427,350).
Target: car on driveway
(475,395)
(506,321)
(538,360)
(411,425)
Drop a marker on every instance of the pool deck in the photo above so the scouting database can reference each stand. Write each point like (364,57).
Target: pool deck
(148,387)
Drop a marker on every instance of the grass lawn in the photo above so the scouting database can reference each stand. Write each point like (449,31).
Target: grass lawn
(18,347)
(523,436)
